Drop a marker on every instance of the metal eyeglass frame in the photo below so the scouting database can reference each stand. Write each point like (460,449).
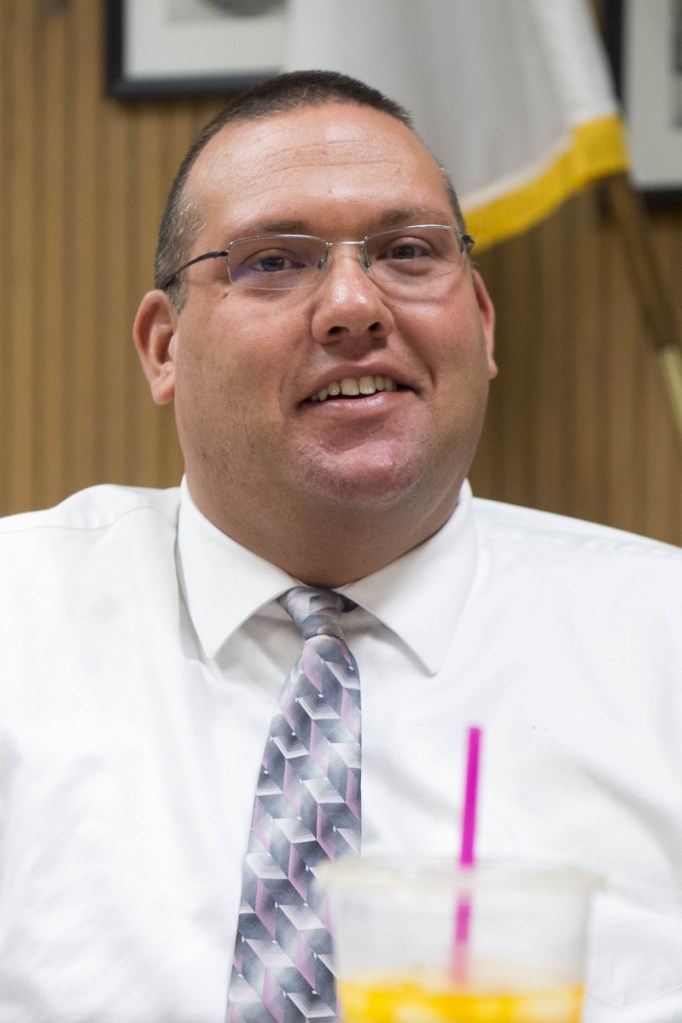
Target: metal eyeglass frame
(466,243)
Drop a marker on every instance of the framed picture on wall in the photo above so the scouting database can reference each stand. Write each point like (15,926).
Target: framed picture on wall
(644,40)
(157,48)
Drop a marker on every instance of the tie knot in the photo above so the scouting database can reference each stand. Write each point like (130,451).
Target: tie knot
(316,612)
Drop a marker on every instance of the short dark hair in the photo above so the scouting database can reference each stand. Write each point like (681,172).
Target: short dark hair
(181,219)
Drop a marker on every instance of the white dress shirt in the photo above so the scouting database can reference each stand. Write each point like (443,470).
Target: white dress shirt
(141,654)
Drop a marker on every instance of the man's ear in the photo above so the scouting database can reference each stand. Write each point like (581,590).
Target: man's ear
(154,334)
(487,311)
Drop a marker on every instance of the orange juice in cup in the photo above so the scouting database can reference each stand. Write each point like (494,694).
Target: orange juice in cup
(401,957)
(431,1000)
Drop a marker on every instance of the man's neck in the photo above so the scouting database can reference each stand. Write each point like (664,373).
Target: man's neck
(331,547)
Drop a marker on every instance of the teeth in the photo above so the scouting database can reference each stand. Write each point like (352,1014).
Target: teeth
(351,387)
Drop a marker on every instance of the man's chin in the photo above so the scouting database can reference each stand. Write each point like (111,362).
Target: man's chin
(363,486)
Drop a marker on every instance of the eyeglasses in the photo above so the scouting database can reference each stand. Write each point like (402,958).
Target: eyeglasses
(403,257)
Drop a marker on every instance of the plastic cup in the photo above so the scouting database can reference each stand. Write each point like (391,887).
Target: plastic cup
(397,958)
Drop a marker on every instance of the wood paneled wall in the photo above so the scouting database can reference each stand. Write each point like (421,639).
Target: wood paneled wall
(579,420)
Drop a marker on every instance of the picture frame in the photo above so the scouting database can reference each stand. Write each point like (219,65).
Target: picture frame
(173,48)
(644,43)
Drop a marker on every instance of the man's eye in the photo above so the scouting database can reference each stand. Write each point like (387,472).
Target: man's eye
(406,249)
(273,262)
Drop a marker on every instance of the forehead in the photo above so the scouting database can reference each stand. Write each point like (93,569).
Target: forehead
(316,159)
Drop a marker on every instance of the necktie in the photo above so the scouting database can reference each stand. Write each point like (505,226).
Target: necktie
(307,808)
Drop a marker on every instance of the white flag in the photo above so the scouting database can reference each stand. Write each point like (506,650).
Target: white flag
(514,97)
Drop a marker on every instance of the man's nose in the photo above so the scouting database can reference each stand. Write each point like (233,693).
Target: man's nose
(348,301)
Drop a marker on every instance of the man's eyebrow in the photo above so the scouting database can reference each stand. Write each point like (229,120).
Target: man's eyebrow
(415,214)
(256,228)
(381,219)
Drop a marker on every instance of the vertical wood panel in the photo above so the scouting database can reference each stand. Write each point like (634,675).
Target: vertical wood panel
(6,78)
(86,270)
(554,421)
(113,359)
(578,420)
(21,242)
(51,200)
(585,258)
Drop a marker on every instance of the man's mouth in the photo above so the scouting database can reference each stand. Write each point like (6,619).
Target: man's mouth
(355,387)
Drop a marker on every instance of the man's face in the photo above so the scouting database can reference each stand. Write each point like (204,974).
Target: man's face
(244,366)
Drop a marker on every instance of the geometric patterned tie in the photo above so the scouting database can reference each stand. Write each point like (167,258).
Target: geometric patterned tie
(307,809)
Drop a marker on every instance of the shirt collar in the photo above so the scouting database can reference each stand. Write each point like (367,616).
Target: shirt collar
(420,596)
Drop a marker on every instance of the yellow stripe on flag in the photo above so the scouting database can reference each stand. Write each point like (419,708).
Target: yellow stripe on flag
(596,148)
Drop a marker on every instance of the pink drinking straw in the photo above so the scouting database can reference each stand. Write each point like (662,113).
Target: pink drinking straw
(467,850)
(467,856)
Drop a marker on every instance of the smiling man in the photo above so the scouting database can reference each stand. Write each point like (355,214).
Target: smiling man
(322,586)
(368,472)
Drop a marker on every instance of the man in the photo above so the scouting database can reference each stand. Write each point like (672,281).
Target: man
(329,397)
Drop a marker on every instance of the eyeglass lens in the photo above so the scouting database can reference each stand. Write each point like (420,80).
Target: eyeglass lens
(401,257)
